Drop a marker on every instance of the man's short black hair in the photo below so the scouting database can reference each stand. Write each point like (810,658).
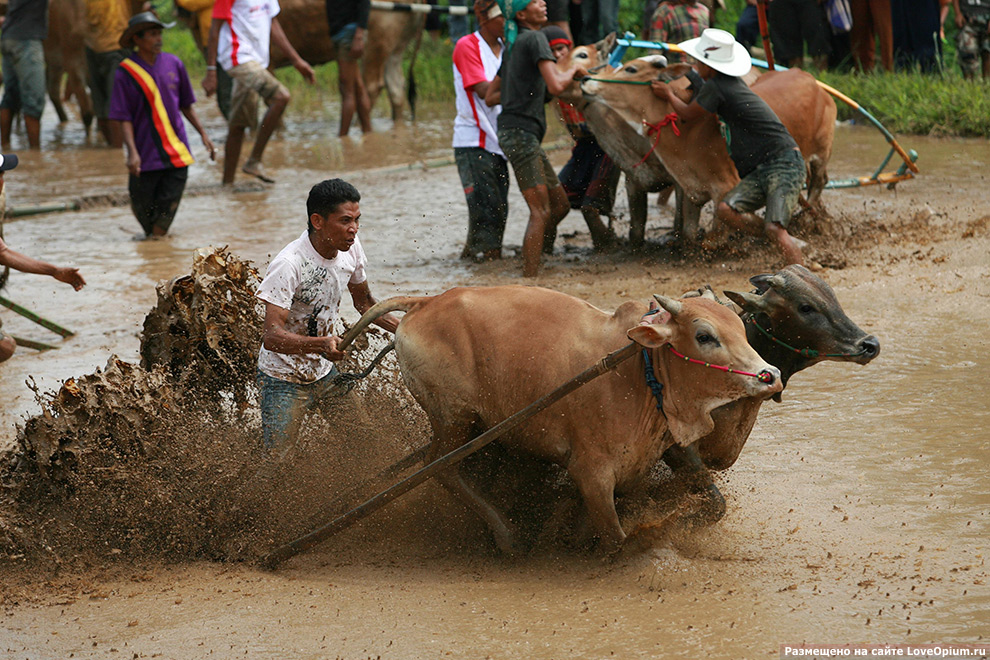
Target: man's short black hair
(326,196)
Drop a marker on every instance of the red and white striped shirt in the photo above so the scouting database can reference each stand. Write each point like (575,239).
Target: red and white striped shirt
(476,122)
(245,35)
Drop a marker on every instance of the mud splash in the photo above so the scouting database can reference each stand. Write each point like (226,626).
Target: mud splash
(162,459)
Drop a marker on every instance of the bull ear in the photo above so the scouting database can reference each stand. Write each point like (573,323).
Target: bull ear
(651,335)
(750,302)
(669,304)
(607,44)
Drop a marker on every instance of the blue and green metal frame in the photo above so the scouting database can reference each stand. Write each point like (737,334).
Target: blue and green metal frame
(909,157)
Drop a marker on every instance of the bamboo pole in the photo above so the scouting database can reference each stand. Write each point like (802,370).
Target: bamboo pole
(31,316)
(291,549)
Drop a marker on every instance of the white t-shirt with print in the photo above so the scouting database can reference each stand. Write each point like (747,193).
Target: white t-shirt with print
(302,281)
(245,35)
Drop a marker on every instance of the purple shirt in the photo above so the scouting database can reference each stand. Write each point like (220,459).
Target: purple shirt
(128,103)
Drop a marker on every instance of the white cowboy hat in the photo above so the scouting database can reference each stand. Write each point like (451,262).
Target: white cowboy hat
(719,50)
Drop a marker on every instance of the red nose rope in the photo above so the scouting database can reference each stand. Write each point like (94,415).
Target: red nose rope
(655,128)
(763,376)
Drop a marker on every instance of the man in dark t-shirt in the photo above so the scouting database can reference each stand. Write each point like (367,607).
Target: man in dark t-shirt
(766,156)
(528,73)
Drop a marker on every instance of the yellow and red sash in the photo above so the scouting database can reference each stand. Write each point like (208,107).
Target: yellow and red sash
(170,146)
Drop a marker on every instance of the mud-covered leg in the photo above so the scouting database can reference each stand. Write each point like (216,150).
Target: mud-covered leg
(453,480)
(686,464)
(597,487)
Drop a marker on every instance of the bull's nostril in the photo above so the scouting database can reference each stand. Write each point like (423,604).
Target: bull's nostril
(766,377)
(870,345)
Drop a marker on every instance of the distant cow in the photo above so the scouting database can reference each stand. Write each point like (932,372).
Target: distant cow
(694,152)
(473,356)
(389,35)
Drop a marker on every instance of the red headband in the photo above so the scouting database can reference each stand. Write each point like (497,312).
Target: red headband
(557,42)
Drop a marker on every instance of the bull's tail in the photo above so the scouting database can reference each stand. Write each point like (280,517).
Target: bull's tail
(400,304)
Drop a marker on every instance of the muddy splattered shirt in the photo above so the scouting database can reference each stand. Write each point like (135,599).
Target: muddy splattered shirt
(302,281)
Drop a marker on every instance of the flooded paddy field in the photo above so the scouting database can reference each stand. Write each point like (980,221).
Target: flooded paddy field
(857,513)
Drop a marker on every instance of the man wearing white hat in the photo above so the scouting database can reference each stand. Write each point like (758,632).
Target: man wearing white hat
(767,157)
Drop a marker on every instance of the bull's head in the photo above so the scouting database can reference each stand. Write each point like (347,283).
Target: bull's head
(800,309)
(593,59)
(625,89)
(701,329)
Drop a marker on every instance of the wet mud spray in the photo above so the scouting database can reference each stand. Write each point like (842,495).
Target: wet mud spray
(163,459)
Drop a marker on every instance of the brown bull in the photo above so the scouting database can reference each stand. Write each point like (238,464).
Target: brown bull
(697,158)
(474,356)
(389,35)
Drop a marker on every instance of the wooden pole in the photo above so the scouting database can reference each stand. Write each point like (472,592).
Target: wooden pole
(761,12)
(36,345)
(606,364)
(28,314)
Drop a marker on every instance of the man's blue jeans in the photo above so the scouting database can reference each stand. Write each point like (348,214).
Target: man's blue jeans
(284,404)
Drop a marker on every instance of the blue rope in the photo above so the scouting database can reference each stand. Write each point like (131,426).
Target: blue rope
(655,386)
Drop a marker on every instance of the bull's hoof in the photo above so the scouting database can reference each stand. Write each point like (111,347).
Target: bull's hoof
(708,507)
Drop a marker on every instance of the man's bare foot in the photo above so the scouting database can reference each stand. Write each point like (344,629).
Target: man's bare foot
(254,168)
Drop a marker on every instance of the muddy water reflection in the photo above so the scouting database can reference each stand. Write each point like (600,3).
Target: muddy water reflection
(901,445)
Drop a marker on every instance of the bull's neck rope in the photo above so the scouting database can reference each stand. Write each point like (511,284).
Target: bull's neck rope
(652,129)
(803,352)
(763,376)
(651,380)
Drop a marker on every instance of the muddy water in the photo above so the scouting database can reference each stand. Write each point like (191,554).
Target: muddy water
(857,513)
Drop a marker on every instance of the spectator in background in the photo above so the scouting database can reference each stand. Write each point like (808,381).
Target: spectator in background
(151,94)
(598,19)
(973,38)
(590,177)
(795,24)
(916,30)
(106,21)
(675,21)
(24,29)
(480,162)
(348,21)
(240,40)
(748,27)
(871,22)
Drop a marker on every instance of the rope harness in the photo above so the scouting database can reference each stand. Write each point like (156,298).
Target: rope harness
(346,381)
(804,352)
(654,129)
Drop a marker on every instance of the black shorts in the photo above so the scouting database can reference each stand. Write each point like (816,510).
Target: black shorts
(155,196)
(590,177)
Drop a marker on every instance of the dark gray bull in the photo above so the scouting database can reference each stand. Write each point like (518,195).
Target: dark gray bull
(794,321)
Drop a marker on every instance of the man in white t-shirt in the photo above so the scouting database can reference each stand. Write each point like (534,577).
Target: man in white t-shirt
(240,41)
(480,162)
(302,292)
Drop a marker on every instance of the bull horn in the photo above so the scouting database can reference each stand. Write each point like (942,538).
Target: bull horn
(675,307)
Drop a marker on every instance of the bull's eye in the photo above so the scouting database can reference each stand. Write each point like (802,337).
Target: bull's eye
(583,55)
(631,69)
(806,308)
(704,338)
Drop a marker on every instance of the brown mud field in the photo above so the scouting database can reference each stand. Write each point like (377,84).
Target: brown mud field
(857,513)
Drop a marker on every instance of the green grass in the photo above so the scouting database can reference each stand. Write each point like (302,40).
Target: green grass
(905,103)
